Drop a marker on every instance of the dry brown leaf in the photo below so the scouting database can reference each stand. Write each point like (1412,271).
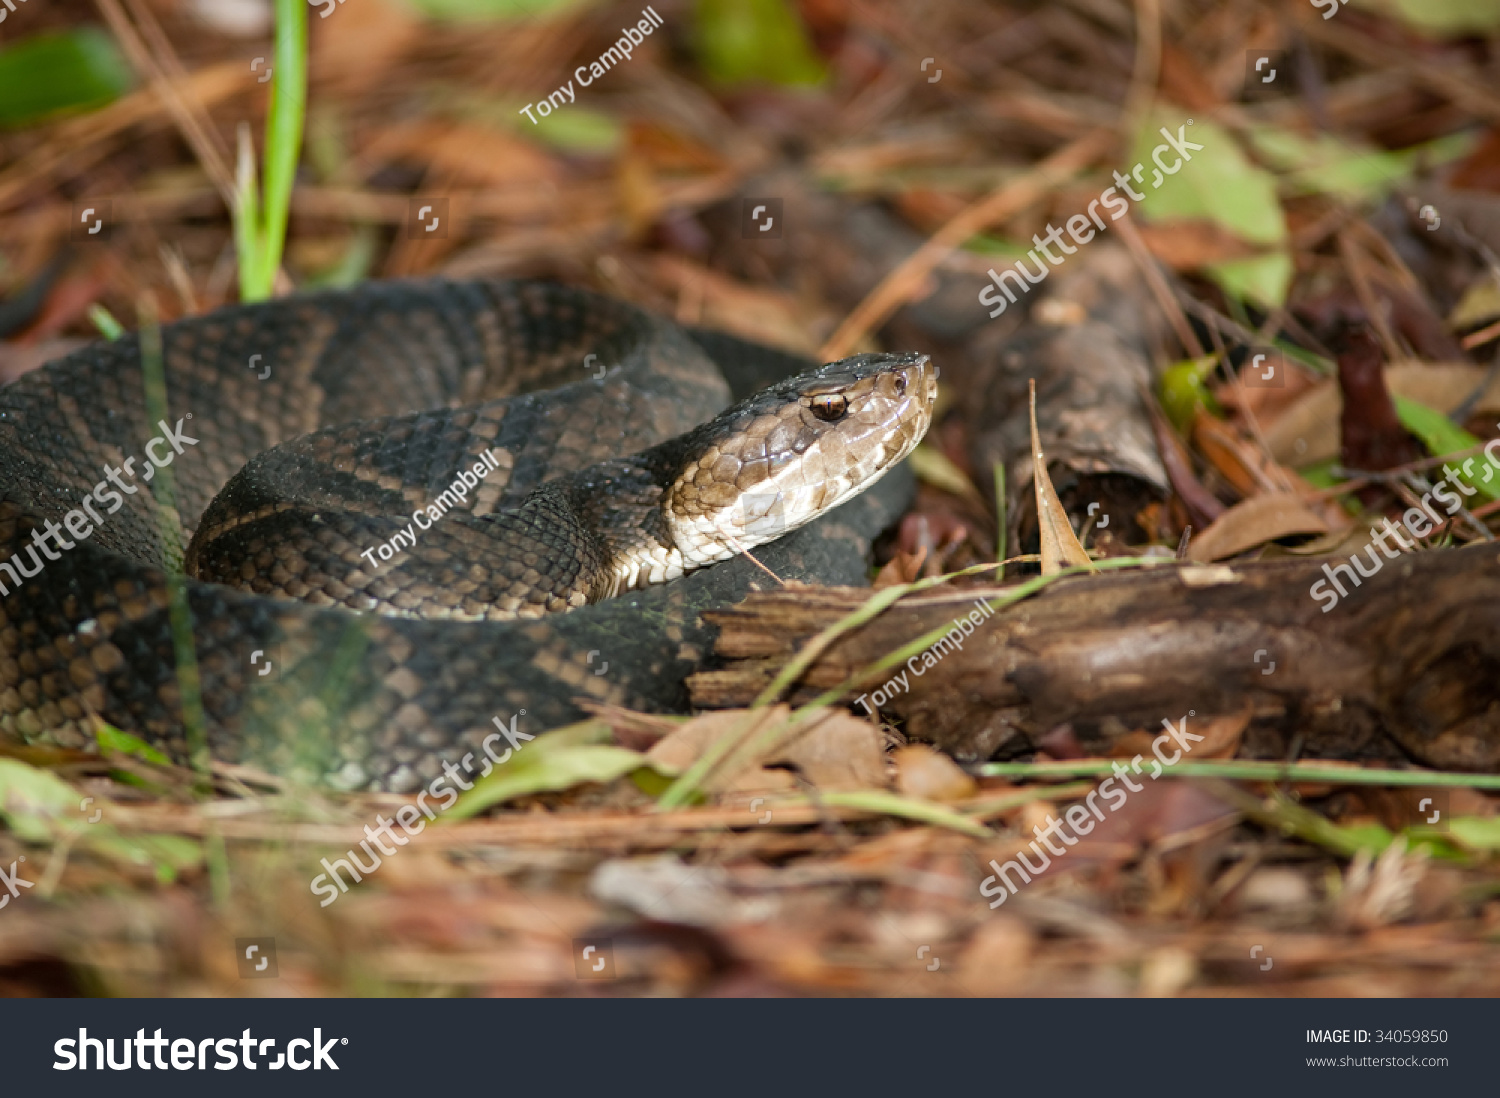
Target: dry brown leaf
(681,749)
(931,775)
(904,567)
(1248,470)
(836,751)
(1059,544)
(1308,431)
(713,300)
(840,751)
(1221,738)
(1222,735)
(1253,522)
(1191,245)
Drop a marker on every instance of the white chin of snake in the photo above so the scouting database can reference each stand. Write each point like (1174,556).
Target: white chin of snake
(782,503)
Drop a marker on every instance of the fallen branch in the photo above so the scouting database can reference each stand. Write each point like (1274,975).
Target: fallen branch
(1408,661)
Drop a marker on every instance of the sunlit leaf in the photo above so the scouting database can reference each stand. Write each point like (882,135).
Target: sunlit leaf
(560,770)
(1182,391)
(33,800)
(1219,184)
(1263,280)
(746,41)
(561,759)
(1439,18)
(1476,833)
(1442,436)
(579,130)
(1329,165)
(112,740)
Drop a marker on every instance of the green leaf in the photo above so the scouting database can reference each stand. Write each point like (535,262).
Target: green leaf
(1329,165)
(1263,280)
(38,807)
(1218,184)
(745,41)
(910,808)
(578,130)
(1476,833)
(987,245)
(110,328)
(1442,436)
(31,800)
(559,759)
(548,773)
(112,741)
(50,74)
(934,467)
(1182,391)
(1439,18)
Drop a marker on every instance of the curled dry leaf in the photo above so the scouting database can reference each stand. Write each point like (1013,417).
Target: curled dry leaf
(1059,544)
(1253,522)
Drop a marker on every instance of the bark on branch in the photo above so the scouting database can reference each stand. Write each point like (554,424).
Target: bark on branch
(1409,660)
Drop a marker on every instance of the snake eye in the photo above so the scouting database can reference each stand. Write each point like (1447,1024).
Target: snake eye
(900,383)
(830,407)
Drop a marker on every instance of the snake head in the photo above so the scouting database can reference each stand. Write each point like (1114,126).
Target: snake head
(796,450)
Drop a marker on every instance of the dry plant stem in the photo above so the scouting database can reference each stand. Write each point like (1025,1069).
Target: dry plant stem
(1460,84)
(1158,284)
(771,737)
(1272,325)
(1353,263)
(903,283)
(1481,337)
(1388,255)
(1363,479)
(1147,68)
(1254,770)
(194,132)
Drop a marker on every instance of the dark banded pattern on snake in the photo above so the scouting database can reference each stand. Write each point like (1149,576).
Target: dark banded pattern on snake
(360,700)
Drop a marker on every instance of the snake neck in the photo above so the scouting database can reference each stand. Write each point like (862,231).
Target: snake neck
(617,506)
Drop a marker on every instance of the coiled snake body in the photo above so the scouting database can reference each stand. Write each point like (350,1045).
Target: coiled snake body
(377,495)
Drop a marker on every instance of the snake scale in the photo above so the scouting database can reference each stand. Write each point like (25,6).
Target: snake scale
(363,510)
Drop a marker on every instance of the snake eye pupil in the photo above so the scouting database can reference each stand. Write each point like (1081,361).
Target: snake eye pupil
(829,407)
